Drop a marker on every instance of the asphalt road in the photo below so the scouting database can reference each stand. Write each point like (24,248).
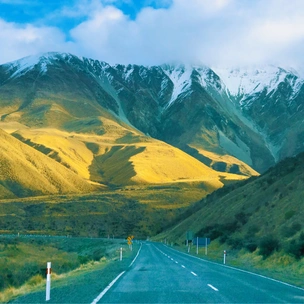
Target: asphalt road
(163,275)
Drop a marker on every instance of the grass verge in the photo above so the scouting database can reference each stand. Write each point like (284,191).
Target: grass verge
(23,262)
(279,265)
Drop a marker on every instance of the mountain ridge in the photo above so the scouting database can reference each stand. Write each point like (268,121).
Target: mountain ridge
(189,107)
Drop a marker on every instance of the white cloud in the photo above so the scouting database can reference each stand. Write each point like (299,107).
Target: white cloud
(19,41)
(214,32)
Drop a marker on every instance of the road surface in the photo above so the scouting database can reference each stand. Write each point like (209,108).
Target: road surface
(163,275)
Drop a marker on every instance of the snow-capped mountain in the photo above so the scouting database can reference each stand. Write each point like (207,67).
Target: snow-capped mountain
(253,114)
(245,83)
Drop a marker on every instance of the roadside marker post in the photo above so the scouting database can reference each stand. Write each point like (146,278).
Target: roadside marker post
(120,256)
(196,245)
(225,256)
(48,281)
(206,246)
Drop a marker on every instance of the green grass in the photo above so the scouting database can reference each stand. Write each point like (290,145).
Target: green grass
(139,210)
(259,222)
(265,213)
(23,260)
(279,265)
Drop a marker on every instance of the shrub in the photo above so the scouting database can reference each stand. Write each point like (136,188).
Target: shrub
(251,246)
(296,247)
(289,214)
(268,245)
(235,243)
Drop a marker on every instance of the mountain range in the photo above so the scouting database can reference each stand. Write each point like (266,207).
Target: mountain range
(125,124)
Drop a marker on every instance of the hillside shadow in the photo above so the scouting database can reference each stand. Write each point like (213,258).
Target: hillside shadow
(114,167)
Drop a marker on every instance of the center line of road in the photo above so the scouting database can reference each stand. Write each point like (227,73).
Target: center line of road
(183,266)
(194,273)
(212,287)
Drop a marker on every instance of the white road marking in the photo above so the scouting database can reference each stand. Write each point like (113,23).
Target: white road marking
(183,266)
(212,287)
(194,273)
(107,288)
(136,255)
(237,269)
(176,262)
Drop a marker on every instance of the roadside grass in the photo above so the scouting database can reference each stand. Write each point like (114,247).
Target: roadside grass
(23,260)
(278,266)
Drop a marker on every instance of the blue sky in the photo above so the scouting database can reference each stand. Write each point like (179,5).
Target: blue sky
(212,32)
(51,12)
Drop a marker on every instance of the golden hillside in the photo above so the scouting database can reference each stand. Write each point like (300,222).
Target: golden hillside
(25,172)
(118,157)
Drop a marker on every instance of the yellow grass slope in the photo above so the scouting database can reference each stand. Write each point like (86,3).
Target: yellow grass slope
(121,156)
(162,163)
(229,162)
(25,171)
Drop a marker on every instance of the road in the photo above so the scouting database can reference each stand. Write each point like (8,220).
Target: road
(163,275)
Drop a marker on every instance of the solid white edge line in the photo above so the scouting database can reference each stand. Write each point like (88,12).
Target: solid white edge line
(113,282)
(238,269)
(212,287)
(107,288)
(194,273)
(136,255)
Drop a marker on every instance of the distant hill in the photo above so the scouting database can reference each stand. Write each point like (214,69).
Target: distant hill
(263,212)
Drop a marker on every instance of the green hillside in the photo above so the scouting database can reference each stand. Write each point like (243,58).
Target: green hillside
(263,214)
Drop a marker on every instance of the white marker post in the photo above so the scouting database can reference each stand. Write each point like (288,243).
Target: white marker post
(48,281)
(120,256)
(197,245)
(206,247)
(224,256)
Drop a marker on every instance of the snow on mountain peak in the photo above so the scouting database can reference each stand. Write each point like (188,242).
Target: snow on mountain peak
(242,82)
(180,77)
(28,63)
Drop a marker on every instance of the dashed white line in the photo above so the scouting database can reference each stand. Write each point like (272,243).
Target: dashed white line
(183,266)
(212,287)
(194,273)
(176,262)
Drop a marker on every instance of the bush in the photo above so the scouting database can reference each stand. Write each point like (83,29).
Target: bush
(289,214)
(296,247)
(251,244)
(235,243)
(268,245)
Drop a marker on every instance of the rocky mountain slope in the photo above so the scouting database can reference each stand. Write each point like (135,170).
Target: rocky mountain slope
(227,120)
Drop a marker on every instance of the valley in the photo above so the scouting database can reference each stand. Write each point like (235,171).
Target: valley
(93,150)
